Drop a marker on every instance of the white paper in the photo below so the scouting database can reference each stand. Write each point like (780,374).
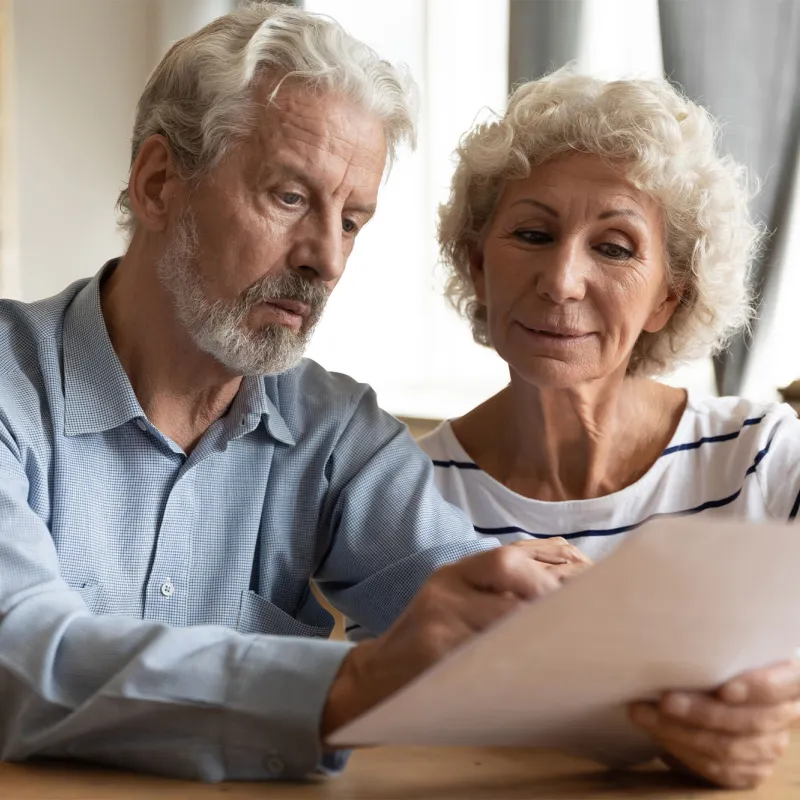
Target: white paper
(686,603)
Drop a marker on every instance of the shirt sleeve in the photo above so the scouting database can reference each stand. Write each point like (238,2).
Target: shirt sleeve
(197,702)
(391,528)
(779,470)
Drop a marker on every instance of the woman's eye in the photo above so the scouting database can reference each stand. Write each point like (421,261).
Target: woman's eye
(349,226)
(615,251)
(533,237)
(291,198)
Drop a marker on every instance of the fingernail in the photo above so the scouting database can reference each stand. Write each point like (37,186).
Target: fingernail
(677,704)
(646,716)
(780,678)
(736,692)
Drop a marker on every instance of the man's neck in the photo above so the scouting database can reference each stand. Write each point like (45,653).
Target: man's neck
(182,390)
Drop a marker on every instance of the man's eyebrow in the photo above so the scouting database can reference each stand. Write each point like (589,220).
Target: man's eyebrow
(289,170)
(367,210)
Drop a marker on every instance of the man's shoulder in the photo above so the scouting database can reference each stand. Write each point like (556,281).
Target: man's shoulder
(312,386)
(30,351)
(26,325)
(309,397)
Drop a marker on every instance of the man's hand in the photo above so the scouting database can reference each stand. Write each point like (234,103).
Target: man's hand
(456,602)
(732,737)
(563,559)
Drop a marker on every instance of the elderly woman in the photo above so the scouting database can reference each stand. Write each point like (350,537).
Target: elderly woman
(596,240)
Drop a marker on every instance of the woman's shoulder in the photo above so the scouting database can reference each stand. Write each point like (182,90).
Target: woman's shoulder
(722,412)
(725,432)
(735,434)
(721,419)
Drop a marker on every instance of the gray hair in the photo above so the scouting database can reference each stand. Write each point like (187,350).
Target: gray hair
(199,97)
(666,146)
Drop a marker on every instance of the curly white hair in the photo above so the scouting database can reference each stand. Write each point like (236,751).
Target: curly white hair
(666,146)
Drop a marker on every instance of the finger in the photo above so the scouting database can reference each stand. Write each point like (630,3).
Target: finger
(507,569)
(554,540)
(444,614)
(706,711)
(565,572)
(557,546)
(711,744)
(479,610)
(551,556)
(727,775)
(774,684)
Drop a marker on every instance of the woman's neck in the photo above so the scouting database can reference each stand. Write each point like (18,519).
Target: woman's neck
(571,444)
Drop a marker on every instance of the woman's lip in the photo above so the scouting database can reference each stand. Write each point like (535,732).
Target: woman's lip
(558,334)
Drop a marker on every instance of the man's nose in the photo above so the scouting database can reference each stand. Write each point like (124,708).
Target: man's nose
(319,252)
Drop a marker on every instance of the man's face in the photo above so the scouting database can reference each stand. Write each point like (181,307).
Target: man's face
(259,244)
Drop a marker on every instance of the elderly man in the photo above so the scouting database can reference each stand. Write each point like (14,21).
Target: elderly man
(172,474)
(163,504)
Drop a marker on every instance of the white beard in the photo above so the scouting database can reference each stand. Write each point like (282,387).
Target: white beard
(220,328)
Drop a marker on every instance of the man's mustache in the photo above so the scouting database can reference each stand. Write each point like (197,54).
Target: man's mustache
(287,286)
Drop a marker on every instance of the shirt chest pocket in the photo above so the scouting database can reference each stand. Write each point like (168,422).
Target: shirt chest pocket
(102,601)
(89,592)
(257,615)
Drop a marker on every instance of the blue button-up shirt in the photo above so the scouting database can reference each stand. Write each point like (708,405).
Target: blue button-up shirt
(155,609)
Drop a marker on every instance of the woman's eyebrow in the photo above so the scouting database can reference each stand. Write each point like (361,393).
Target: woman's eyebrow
(621,212)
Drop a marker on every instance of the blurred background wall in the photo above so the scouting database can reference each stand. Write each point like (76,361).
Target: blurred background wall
(72,71)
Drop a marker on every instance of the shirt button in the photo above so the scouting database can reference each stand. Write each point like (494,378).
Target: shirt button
(274,766)
(141,424)
(168,588)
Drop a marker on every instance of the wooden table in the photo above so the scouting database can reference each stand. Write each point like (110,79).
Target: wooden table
(402,774)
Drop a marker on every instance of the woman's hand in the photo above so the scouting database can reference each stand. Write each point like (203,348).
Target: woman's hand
(732,737)
(562,559)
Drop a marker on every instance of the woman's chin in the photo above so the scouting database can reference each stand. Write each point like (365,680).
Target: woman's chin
(549,373)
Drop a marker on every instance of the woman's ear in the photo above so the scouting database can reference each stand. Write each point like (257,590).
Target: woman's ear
(153,183)
(477,274)
(663,312)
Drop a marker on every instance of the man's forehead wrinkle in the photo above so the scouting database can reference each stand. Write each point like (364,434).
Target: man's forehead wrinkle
(297,116)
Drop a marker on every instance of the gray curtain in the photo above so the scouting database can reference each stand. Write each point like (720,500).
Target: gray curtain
(543,35)
(741,59)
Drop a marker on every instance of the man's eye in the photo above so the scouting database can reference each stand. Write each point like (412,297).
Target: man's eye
(291,198)
(348,226)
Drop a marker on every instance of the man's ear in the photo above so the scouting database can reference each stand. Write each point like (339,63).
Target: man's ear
(153,183)
(476,272)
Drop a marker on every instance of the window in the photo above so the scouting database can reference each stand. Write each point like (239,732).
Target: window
(387,323)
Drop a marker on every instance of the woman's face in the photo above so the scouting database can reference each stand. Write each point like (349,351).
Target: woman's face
(571,271)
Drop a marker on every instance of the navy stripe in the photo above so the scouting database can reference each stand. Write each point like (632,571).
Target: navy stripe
(456,464)
(626,528)
(795,508)
(676,448)
(723,437)
(350,628)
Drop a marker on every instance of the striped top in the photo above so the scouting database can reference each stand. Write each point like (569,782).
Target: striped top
(728,457)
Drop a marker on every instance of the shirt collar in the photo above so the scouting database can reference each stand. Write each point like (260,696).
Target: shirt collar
(98,395)
(252,404)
